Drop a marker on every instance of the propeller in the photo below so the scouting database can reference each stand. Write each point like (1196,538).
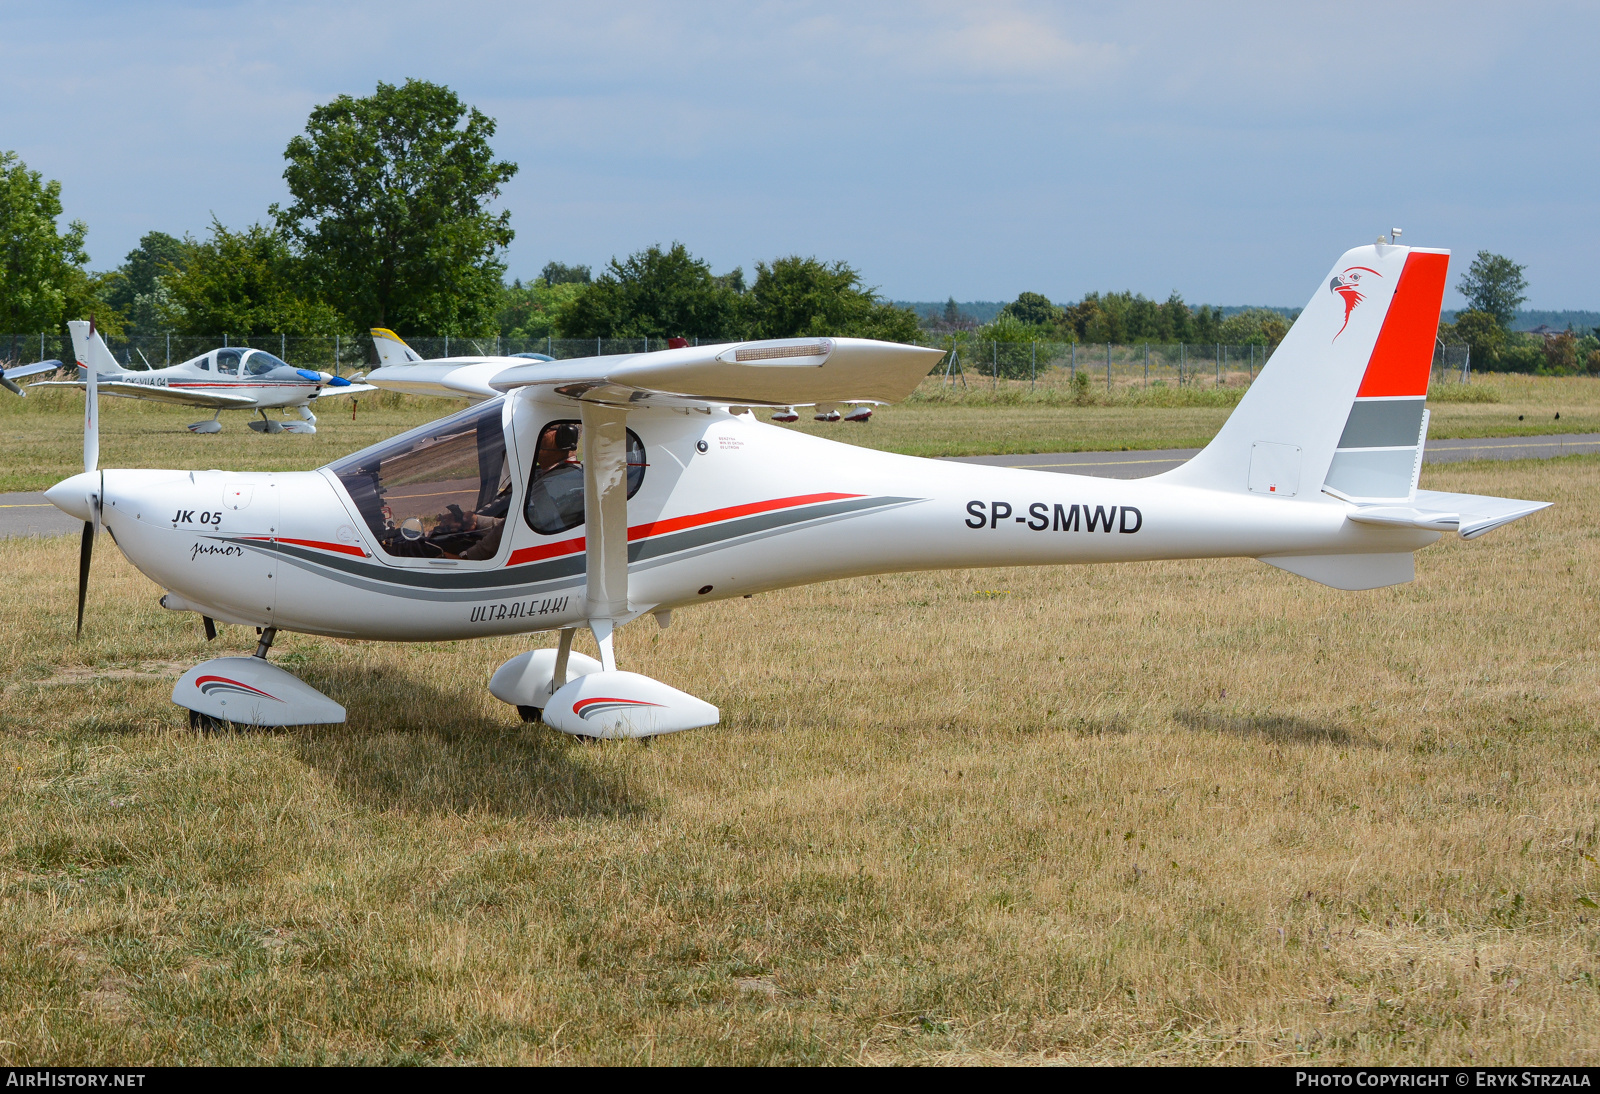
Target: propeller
(91,464)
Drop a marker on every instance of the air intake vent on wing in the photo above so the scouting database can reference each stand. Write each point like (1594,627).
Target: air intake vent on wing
(771,352)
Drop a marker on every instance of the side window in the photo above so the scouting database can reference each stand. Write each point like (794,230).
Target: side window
(442,491)
(555,490)
(228,362)
(204,363)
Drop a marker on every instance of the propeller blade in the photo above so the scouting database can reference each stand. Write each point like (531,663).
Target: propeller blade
(91,411)
(85,553)
(11,386)
(211,627)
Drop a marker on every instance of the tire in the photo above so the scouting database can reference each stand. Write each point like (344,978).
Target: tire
(531,714)
(205,723)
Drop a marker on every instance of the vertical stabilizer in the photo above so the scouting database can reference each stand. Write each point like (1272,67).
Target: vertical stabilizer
(392,349)
(1340,405)
(91,349)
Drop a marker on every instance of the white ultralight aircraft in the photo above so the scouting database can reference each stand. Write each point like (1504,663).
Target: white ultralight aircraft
(589,493)
(231,378)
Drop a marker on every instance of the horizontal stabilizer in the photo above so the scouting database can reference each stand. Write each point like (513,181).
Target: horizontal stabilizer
(1470,514)
(1478,513)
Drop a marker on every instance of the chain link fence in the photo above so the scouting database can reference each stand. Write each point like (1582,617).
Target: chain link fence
(967,361)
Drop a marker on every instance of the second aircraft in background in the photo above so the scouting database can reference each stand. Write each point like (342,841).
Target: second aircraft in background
(230,378)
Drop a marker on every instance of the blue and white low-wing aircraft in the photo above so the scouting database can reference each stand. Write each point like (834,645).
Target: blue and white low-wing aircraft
(230,378)
(590,493)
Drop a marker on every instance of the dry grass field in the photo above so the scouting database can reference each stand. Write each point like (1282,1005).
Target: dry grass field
(42,436)
(1191,812)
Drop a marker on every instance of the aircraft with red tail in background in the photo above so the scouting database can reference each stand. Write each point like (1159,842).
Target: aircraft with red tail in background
(590,493)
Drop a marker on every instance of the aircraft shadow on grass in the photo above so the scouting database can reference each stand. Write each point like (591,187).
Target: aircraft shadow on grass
(1278,728)
(408,745)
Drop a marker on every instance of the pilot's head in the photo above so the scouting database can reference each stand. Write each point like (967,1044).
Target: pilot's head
(565,438)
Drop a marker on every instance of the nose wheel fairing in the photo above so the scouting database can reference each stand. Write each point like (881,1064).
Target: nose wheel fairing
(252,691)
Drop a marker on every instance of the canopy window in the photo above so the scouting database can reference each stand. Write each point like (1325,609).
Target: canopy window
(441,491)
(555,490)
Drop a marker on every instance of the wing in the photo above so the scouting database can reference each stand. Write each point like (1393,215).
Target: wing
(21,371)
(345,389)
(123,389)
(774,372)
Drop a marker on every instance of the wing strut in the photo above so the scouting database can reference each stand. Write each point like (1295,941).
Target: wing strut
(605,516)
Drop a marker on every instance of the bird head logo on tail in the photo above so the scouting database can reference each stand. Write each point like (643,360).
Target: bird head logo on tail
(1347,286)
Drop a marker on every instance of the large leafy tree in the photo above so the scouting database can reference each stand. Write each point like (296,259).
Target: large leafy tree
(796,296)
(41,273)
(246,283)
(136,288)
(391,207)
(1035,310)
(531,310)
(653,293)
(1494,284)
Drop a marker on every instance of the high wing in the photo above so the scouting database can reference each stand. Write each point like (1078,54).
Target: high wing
(774,372)
(124,390)
(782,372)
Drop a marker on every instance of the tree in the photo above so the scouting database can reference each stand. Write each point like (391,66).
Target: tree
(136,290)
(653,293)
(245,284)
(796,296)
(1483,334)
(40,266)
(1253,327)
(1561,353)
(1034,310)
(559,273)
(533,310)
(390,206)
(1494,284)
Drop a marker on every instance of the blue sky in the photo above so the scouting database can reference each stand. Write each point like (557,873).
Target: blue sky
(1229,151)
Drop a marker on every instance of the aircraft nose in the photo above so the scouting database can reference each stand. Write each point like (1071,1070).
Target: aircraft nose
(71,496)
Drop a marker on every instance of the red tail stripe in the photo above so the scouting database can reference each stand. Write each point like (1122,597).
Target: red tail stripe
(676,524)
(1403,355)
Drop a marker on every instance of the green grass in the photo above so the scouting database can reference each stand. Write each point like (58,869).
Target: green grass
(1175,812)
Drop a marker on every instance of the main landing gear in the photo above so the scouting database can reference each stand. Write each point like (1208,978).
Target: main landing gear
(212,426)
(589,699)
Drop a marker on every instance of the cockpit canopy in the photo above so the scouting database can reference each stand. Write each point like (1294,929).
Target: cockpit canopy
(228,362)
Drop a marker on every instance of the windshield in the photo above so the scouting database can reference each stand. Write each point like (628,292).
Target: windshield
(260,362)
(441,491)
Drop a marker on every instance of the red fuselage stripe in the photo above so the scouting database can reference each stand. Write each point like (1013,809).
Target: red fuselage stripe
(676,524)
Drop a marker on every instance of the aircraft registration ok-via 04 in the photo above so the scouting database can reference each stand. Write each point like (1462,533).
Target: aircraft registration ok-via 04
(230,378)
(589,493)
